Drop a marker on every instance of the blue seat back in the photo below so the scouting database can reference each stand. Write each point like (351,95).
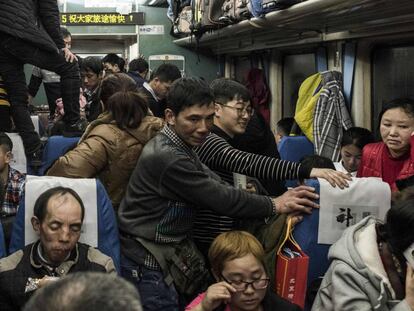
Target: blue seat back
(108,237)
(56,146)
(306,234)
(294,148)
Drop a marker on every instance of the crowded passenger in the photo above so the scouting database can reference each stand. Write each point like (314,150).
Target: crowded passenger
(57,220)
(233,111)
(113,63)
(372,263)
(91,74)
(86,291)
(353,141)
(13,185)
(112,143)
(392,158)
(167,188)
(156,89)
(51,80)
(258,138)
(237,263)
(138,70)
(36,39)
(283,128)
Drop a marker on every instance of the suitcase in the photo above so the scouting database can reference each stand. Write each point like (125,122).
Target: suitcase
(235,11)
(259,8)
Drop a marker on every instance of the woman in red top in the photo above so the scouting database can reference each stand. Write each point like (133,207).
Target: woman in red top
(393,158)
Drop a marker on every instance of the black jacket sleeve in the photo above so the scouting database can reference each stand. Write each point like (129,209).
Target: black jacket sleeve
(182,181)
(48,12)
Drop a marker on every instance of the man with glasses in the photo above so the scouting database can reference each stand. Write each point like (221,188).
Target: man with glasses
(233,111)
(156,90)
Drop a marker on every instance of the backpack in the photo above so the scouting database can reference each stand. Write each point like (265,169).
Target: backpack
(235,10)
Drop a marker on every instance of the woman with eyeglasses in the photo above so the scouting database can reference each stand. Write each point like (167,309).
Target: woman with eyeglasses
(237,263)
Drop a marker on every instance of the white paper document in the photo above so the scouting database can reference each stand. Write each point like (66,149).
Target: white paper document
(341,208)
(240,181)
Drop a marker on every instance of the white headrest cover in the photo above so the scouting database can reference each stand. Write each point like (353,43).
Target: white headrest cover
(86,188)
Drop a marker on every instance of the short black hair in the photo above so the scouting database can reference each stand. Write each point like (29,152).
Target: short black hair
(316,161)
(65,32)
(85,291)
(406,104)
(187,92)
(138,64)
(225,90)
(357,136)
(40,206)
(114,59)
(400,221)
(284,126)
(92,63)
(166,73)
(5,142)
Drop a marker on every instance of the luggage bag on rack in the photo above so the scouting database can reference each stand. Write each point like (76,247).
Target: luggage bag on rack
(235,11)
(259,8)
(207,15)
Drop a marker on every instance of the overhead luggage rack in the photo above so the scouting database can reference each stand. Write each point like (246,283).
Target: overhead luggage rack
(310,21)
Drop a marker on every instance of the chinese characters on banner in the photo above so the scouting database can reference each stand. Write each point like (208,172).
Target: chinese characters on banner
(102,19)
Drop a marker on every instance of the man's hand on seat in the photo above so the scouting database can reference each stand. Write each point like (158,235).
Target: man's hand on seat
(299,199)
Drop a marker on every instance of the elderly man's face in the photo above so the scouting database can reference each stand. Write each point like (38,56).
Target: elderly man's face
(60,230)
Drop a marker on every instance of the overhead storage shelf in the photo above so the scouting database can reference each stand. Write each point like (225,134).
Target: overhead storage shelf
(311,21)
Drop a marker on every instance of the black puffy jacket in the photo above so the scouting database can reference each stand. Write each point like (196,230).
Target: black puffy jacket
(34,21)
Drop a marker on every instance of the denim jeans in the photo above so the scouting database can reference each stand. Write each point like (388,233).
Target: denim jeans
(14,53)
(155,294)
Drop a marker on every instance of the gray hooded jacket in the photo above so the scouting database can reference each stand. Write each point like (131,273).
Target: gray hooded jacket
(356,279)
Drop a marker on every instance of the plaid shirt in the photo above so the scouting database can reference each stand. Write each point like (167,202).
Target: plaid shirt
(331,117)
(13,190)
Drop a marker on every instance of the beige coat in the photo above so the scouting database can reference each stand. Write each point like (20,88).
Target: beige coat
(108,153)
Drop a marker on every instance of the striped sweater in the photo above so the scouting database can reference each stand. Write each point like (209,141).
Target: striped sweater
(218,154)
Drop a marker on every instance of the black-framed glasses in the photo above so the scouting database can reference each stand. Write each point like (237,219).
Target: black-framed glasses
(241,285)
(240,111)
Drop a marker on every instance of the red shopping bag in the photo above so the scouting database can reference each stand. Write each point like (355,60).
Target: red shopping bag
(291,269)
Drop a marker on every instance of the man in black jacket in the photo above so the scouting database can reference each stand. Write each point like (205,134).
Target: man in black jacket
(156,90)
(138,70)
(30,34)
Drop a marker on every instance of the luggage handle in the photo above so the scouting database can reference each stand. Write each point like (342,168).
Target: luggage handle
(289,236)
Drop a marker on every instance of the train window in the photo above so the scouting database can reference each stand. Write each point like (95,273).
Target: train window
(296,68)
(393,77)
